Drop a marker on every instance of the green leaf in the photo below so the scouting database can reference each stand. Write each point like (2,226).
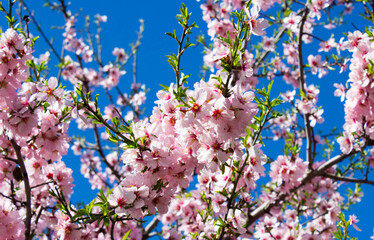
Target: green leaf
(269,87)
(96,100)
(80,212)
(173,35)
(126,236)
(106,221)
(96,122)
(115,121)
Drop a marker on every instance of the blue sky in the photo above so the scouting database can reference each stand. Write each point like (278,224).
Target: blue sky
(159,16)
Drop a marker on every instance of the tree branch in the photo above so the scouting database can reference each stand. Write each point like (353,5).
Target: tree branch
(348,179)
(26,182)
(102,155)
(46,39)
(302,87)
(152,225)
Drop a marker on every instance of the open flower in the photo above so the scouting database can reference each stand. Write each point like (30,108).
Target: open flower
(352,221)
(346,142)
(257,25)
(121,199)
(49,91)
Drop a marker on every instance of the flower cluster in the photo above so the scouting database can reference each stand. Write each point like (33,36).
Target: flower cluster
(318,201)
(200,136)
(211,135)
(359,101)
(34,122)
(195,213)
(218,17)
(108,76)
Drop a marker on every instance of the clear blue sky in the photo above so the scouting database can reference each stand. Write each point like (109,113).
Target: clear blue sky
(159,16)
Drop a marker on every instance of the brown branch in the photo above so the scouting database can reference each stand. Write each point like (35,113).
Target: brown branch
(42,184)
(26,182)
(11,159)
(112,230)
(64,9)
(147,230)
(302,87)
(37,218)
(314,36)
(11,198)
(295,1)
(102,155)
(348,179)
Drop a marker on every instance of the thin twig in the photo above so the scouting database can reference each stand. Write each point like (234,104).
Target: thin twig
(11,159)
(348,179)
(40,30)
(102,155)
(314,36)
(11,198)
(42,184)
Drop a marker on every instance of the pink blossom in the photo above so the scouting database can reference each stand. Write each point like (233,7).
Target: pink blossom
(138,99)
(49,91)
(11,224)
(346,142)
(121,198)
(221,28)
(340,91)
(120,54)
(352,221)
(288,96)
(327,45)
(292,21)
(208,10)
(268,44)
(317,66)
(291,52)
(316,117)
(348,8)
(329,26)
(257,24)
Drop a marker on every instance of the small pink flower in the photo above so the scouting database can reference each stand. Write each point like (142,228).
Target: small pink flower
(49,91)
(346,143)
(316,65)
(268,44)
(257,25)
(292,21)
(352,221)
(121,199)
(340,91)
(120,54)
(328,45)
